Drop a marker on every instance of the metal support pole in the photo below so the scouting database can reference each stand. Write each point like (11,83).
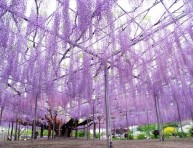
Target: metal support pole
(114,130)
(180,119)
(4,136)
(27,131)
(42,131)
(84,131)
(8,130)
(94,130)
(93,123)
(11,130)
(191,115)
(1,114)
(127,126)
(59,129)
(87,130)
(15,138)
(158,114)
(148,123)
(76,128)
(99,128)
(35,114)
(108,131)
(53,130)
(19,131)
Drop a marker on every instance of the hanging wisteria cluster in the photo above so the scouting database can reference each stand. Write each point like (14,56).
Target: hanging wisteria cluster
(54,53)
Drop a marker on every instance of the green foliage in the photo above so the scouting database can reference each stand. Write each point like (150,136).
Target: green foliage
(167,135)
(97,135)
(141,136)
(81,134)
(152,136)
(73,133)
(45,133)
(191,131)
(131,137)
(146,128)
(29,132)
(88,133)
(117,138)
(182,134)
(103,133)
(171,124)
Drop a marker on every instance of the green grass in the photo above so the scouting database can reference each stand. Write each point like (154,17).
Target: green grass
(117,138)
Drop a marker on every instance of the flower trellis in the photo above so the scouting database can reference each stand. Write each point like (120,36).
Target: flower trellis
(53,54)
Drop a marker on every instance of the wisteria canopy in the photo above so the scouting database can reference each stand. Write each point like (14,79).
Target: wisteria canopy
(65,54)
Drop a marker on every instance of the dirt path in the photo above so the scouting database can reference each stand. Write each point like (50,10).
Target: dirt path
(79,143)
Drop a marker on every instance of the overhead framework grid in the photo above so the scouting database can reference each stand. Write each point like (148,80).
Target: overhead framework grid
(130,60)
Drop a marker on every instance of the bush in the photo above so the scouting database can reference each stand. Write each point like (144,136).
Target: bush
(81,134)
(156,133)
(182,134)
(131,137)
(169,131)
(97,135)
(172,124)
(146,128)
(117,138)
(167,135)
(152,136)
(191,131)
(141,136)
